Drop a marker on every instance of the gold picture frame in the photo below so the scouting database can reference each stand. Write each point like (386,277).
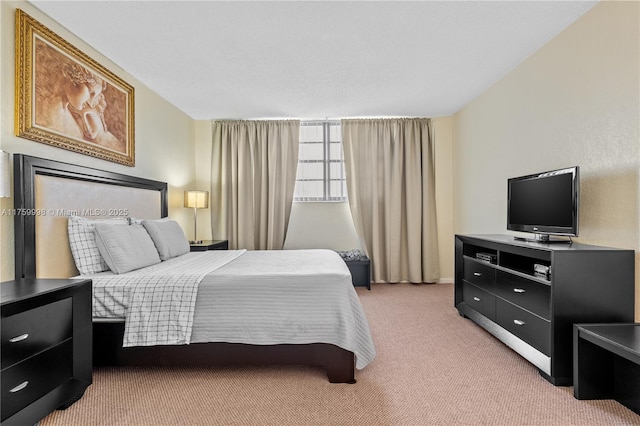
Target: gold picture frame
(66,99)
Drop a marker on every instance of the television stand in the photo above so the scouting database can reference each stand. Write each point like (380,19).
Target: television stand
(534,314)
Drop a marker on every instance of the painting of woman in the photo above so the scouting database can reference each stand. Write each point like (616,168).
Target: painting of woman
(76,102)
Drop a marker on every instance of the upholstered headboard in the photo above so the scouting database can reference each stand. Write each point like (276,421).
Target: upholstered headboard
(46,192)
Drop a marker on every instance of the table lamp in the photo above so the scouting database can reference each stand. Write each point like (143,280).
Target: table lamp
(196,200)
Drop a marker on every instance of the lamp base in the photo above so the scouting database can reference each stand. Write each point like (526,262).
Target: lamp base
(195,242)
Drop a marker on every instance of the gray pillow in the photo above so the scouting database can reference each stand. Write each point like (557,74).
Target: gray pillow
(125,248)
(168,237)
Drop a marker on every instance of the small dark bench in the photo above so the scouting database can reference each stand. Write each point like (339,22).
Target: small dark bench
(360,272)
(359,265)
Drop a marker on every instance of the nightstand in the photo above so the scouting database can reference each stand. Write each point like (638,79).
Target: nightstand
(210,245)
(46,338)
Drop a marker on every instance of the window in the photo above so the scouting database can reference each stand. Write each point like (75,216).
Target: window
(321,175)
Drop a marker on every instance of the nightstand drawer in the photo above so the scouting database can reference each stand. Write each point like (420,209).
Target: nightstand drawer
(529,294)
(29,380)
(531,328)
(32,331)
(479,300)
(479,274)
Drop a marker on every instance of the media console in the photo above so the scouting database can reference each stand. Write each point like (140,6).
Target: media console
(499,285)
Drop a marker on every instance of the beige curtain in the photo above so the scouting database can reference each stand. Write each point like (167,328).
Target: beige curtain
(390,182)
(253,175)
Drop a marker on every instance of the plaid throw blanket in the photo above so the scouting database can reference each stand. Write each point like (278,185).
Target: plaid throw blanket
(157,302)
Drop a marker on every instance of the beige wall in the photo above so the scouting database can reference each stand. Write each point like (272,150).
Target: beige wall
(574,102)
(443,130)
(164,135)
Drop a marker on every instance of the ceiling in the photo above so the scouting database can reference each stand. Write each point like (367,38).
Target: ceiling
(316,59)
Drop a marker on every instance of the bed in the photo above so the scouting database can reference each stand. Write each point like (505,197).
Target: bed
(229,302)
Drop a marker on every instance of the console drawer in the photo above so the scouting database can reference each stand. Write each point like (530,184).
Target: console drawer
(32,331)
(479,300)
(32,378)
(531,328)
(479,274)
(529,294)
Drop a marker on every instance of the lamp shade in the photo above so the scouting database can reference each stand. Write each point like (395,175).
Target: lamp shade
(196,199)
(5,175)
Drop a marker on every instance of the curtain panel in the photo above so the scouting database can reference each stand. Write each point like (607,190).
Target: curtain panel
(391,188)
(253,176)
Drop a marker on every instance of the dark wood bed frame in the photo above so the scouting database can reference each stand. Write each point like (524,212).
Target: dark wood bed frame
(107,337)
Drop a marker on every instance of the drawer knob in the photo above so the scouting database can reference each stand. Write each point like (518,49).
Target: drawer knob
(518,290)
(20,387)
(518,322)
(477,299)
(19,338)
(477,274)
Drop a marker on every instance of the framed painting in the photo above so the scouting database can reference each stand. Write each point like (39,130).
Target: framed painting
(66,99)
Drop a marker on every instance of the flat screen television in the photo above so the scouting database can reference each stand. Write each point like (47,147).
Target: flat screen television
(545,203)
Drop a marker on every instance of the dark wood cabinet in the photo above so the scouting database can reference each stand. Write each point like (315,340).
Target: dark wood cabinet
(529,294)
(210,245)
(46,344)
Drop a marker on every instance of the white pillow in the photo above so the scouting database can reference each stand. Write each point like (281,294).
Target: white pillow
(83,243)
(126,248)
(168,237)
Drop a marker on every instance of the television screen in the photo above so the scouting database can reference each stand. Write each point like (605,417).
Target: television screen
(544,203)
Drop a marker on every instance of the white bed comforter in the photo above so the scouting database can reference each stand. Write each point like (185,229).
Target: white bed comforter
(271,297)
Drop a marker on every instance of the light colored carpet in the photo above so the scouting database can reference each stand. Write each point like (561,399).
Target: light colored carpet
(433,368)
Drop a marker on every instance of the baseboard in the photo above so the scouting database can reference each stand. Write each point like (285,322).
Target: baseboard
(439,281)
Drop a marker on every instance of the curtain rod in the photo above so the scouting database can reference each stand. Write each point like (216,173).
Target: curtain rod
(321,119)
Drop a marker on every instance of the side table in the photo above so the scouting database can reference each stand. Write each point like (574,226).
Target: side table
(606,363)
(46,346)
